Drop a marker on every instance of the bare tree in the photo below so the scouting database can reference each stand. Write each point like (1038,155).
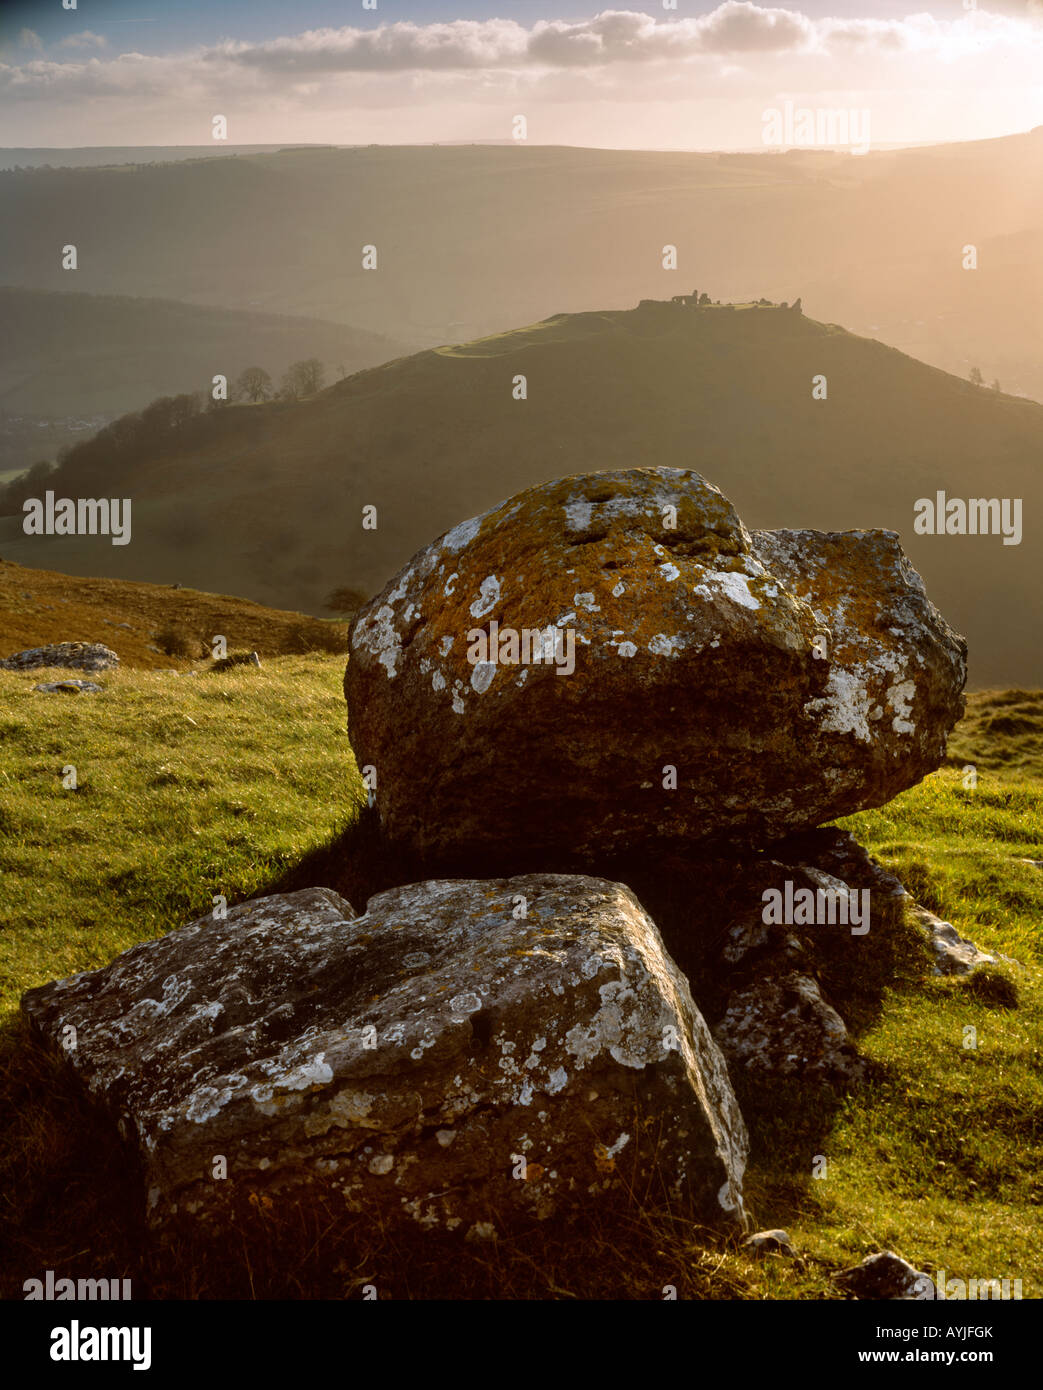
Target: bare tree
(254,384)
(303,378)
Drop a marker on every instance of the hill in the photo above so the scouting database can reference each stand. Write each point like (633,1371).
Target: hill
(267,500)
(477,239)
(66,355)
(148,627)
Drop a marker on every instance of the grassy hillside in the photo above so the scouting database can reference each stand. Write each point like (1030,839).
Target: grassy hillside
(148,626)
(72,355)
(268,499)
(477,239)
(243,781)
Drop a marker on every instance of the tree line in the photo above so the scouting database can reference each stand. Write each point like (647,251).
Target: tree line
(166,424)
(300,379)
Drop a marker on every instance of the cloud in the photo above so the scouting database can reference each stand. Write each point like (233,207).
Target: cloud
(736,30)
(84,39)
(29,38)
(442,78)
(391,48)
(613,36)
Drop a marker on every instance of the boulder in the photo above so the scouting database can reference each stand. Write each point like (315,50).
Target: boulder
(613,660)
(466,1054)
(79,656)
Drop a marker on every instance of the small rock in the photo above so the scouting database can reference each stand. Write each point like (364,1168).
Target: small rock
(885,1275)
(70,687)
(783,1027)
(953,953)
(769,1242)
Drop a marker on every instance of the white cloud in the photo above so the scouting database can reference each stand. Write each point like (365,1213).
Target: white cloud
(84,39)
(29,38)
(614,36)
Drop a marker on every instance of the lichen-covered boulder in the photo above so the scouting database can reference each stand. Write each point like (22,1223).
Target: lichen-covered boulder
(467,1053)
(77,656)
(612,659)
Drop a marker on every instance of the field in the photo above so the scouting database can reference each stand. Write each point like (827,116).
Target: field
(224,782)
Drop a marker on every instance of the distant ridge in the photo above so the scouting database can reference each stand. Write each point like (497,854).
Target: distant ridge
(267,500)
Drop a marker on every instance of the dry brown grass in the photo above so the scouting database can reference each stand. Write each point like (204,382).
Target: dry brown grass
(38,607)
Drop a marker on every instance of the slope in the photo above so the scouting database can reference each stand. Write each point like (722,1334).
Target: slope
(267,500)
(65,354)
(149,627)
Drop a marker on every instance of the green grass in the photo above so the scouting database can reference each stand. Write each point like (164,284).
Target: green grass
(940,1157)
(188,786)
(224,783)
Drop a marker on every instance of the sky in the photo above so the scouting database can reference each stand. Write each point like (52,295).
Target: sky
(700,75)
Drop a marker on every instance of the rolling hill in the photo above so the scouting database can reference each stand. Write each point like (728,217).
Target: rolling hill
(65,355)
(477,239)
(267,500)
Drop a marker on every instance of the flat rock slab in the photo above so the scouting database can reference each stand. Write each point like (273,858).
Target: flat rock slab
(694,683)
(466,1053)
